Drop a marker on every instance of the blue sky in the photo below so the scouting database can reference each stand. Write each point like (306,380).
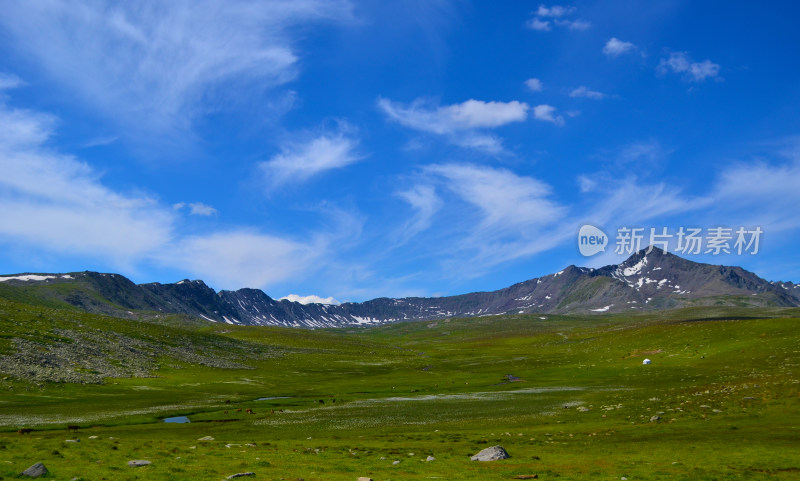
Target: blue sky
(363,149)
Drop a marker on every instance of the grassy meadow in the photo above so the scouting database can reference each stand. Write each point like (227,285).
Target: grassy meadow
(567,397)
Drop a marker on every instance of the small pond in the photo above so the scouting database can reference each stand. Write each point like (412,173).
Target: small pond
(177,419)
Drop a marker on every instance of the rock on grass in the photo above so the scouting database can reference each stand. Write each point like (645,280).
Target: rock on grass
(493,453)
(35,471)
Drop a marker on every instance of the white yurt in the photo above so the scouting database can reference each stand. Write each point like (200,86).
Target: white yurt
(646,361)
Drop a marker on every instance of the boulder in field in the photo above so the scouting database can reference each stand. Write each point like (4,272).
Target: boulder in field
(364,478)
(35,471)
(493,453)
(135,463)
(206,438)
(240,475)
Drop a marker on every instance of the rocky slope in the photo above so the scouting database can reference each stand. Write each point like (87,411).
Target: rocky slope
(645,281)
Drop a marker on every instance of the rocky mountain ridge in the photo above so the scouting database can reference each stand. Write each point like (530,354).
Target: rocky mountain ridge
(645,281)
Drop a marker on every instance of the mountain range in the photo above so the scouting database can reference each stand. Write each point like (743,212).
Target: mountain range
(651,280)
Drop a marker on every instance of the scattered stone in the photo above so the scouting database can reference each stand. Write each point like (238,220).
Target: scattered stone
(395,462)
(94,437)
(493,453)
(583,409)
(655,419)
(206,438)
(383,458)
(35,471)
(135,463)
(72,440)
(430,458)
(239,475)
(716,410)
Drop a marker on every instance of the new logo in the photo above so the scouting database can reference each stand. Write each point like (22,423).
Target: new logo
(591,240)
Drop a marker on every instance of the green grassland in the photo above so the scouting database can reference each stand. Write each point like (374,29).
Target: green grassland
(721,400)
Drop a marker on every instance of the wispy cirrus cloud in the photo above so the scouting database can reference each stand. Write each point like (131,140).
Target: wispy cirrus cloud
(500,214)
(681,63)
(463,124)
(57,203)
(425,202)
(506,200)
(10,81)
(544,18)
(196,208)
(54,203)
(587,93)
(305,158)
(159,65)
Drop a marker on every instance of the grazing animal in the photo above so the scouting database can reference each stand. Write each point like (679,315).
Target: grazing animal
(272,411)
(226,411)
(322,401)
(239,410)
(25,431)
(250,411)
(72,427)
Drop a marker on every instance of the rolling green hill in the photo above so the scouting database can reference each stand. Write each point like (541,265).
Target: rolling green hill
(567,396)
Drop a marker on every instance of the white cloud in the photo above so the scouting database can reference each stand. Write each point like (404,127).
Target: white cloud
(573,24)
(585,92)
(534,84)
(557,14)
(461,123)
(616,47)
(9,81)
(546,113)
(243,258)
(495,216)
(312,299)
(159,65)
(471,114)
(506,199)
(425,202)
(680,62)
(299,161)
(55,202)
(644,153)
(199,208)
(554,11)
(196,208)
(538,24)
(586,183)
